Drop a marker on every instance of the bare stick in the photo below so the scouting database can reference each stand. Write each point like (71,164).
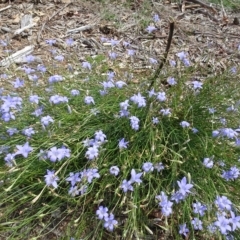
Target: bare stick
(79,29)
(169,41)
(3,9)
(17,56)
(18,31)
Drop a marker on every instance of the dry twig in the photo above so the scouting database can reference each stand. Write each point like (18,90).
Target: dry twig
(79,29)
(7,7)
(20,30)
(169,41)
(16,57)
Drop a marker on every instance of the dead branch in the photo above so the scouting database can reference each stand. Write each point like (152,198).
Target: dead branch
(7,7)
(79,29)
(20,30)
(169,41)
(16,57)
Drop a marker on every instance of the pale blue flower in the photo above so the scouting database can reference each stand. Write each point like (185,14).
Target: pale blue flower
(90,174)
(183,230)
(120,84)
(34,99)
(57,154)
(211,110)
(130,52)
(112,55)
(197,85)
(184,124)
(75,92)
(110,222)
(100,136)
(161,96)
(74,191)
(51,179)
(18,83)
(150,29)
(181,55)
(165,204)
(197,224)
(122,144)
(171,81)
(223,224)
(114,170)
(23,150)
(235,221)
(28,132)
(184,187)
(30,58)
(159,166)
(156,18)
(147,167)
(223,203)
(69,42)
(124,105)
(46,120)
(114,42)
(155,120)
(165,112)
(126,186)
(208,162)
(139,100)
(172,63)
(134,122)
(153,61)
(86,65)
(55,78)
(59,58)
(151,93)
(56,99)
(135,177)
(9,159)
(74,178)
(102,212)
(92,153)
(199,208)
(12,131)
(88,100)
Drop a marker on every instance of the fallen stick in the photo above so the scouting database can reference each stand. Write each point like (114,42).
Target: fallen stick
(79,29)
(17,56)
(7,7)
(18,31)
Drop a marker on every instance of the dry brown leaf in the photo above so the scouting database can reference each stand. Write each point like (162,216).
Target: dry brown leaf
(17,18)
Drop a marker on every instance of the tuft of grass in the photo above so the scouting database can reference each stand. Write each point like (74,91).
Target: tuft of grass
(29,207)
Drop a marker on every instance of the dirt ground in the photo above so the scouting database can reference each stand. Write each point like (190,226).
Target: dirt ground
(210,35)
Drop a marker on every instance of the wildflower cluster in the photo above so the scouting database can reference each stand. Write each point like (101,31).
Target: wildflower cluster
(94,145)
(108,141)
(108,218)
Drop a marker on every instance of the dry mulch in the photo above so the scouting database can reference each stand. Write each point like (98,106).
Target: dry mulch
(210,36)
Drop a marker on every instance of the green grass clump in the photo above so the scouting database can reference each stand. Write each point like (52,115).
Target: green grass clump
(27,203)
